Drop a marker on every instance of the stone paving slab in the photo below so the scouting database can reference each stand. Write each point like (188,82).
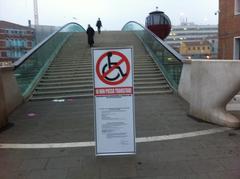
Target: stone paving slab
(210,156)
(73,120)
(183,158)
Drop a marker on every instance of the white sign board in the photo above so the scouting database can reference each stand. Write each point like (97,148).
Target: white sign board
(114,101)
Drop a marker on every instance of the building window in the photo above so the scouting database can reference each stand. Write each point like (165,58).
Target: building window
(12,54)
(4,54)
(8,54)
(236,48)
(7,43)
(29,44)
(2,43)
(237,7)
(156,19)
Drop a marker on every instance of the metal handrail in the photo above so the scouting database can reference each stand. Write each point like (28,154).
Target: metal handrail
(171,71)
(21,60)
(30,68)
(168,48)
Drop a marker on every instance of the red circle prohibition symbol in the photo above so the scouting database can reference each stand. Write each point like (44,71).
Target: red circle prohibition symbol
(103,76)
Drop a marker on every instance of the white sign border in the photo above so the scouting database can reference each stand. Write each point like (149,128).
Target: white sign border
(133,101)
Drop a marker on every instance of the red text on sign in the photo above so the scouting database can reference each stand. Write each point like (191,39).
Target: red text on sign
(113,91)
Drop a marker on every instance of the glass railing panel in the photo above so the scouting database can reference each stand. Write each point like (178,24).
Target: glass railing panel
(29,68)
(167,59)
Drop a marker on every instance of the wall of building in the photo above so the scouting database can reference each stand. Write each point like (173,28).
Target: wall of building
(15,40)
(193,50)
(190,32)
(229,24)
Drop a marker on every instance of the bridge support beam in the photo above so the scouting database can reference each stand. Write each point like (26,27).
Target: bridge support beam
(208,85)
(10,96)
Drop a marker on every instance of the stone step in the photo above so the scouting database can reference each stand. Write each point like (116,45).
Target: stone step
(71,96)
(90,94)
(71,87)
(63,96)
(63,91)
(67,77)
(69,70)
(147,63)
(88,73)
(54,65)
(83,71)
(71,63)
(67,82)
(90,59)
(89,84)
(151,75)
(88,56)
(148,72)
(87,89)
(60,67)
(156,78)
(76,78)
(151,83)
(159,79)
(167,91)
(73,60)
(89,68)
(161,86)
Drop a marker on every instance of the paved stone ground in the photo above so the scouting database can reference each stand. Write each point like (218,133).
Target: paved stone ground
(214,156)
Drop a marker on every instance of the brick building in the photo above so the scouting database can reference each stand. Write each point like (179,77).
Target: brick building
(15,40)
(229,29)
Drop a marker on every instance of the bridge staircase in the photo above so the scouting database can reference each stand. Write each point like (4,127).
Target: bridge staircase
(70,73)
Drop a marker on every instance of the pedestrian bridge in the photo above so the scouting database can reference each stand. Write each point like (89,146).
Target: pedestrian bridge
(46,108)
(60,67)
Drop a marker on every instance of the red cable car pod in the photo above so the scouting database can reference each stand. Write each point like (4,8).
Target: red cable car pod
(159,24)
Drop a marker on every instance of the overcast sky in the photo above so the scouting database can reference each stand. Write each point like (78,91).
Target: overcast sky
(113,13)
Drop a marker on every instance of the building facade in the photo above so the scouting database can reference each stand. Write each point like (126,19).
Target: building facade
(229,29)
(15,40)
(200,50)
(192,33)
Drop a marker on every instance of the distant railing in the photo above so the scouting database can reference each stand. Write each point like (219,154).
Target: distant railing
(168,60)
(30,67)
